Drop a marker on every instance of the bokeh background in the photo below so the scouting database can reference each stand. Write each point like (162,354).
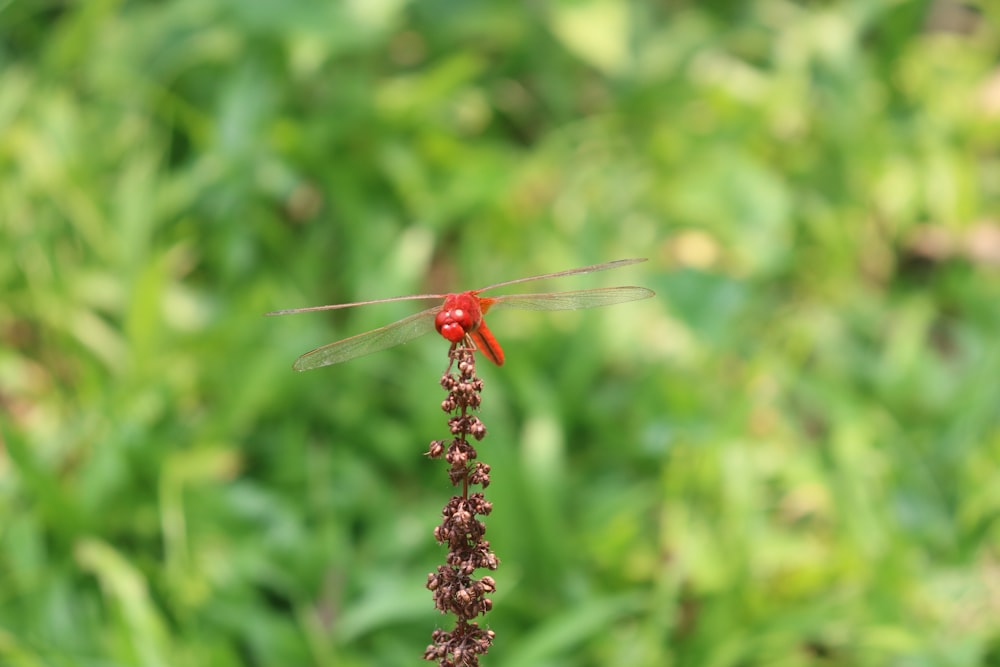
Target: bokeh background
(788,457)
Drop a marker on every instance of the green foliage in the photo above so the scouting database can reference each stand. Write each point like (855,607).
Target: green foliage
(788,458)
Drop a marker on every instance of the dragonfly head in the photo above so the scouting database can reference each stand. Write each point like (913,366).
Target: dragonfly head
(460,315)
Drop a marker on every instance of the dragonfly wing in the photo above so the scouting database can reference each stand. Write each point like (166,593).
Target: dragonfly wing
(593,268)
(337,306)
(589,298)
(396,333)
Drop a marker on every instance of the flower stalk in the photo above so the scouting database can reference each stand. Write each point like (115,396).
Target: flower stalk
(455,589)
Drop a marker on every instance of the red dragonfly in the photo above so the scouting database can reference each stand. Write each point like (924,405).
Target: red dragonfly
(460,316)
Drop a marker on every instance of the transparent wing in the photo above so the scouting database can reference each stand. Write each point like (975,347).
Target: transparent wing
(388,336)
(337,306)
(593,268)
(588,298)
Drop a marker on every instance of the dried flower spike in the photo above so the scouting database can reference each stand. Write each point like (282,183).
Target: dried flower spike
(453,586)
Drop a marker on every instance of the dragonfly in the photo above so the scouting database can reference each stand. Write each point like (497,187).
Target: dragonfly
(459,317)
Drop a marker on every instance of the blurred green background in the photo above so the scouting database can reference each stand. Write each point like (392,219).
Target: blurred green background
(789,457)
